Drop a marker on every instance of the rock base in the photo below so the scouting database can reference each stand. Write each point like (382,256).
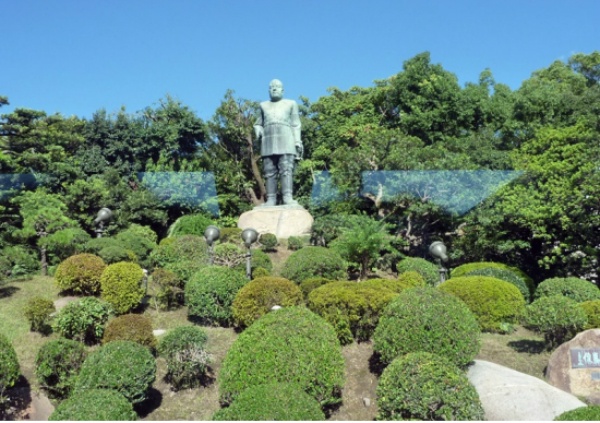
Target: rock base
(282,221)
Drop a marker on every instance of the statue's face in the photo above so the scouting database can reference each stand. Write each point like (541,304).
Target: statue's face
(276,90)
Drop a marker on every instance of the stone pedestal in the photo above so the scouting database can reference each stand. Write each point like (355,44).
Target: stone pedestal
(282,221)
(575,366)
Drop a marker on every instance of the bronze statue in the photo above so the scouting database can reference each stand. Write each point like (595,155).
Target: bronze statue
(278,130)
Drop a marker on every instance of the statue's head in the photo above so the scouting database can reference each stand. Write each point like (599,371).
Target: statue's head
(276,90)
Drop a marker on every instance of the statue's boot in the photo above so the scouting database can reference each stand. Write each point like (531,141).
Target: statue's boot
(271,186)
(287,181)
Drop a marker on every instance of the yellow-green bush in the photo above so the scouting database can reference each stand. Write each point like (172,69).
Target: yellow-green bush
(309,262)
(310,284)
(121,286)
(80,274)
(257,297)
(38,311)
(406,280)
(496,303)
(352,308)
(130,327)
(463,269)
(592,310)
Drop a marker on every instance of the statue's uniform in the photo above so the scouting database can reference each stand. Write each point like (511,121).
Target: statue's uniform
(280,144)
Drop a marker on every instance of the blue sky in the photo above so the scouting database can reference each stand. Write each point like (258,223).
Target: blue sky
(78,56)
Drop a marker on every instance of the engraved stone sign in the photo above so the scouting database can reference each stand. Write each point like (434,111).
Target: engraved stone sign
(575,366)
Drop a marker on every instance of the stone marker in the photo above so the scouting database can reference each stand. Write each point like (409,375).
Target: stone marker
(575,366)
(282,221)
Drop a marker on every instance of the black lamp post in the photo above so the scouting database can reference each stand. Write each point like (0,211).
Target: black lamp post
(211,234)
(103,216)
(249,236)
(438,250)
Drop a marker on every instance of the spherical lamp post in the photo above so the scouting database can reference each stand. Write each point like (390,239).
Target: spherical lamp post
(211,234)
(249,236)
(103,216)
(438,250)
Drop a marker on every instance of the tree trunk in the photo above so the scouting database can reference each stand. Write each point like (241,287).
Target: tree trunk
(44,261)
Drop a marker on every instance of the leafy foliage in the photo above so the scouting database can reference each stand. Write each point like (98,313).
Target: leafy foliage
(121,285)
(94,404)
(268,242)
(192,224)
(424,386)
(187,360)
(496,303)
(577,289)
(83,320)
(124,366)
(588,413)
(310,284)
(592,310)
(57,363)
(170,291)
(425,268)
(295,243)
(427,319)
(314,261)
(38,311)
(130,327)
(505,275)
(80,274)
(291,345)
(272,401)
(9,366)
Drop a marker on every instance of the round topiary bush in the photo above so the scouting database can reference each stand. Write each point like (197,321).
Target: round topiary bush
(466,268)
(290,345)
(505,275)
(576,289)
(590,413)
(592,310)
(426,269)
(56,365)
(430,320)
(116,253)
(131,327)
(184,255)
(38,311)
(9,365)
(191,224)
(258,297)
(496,303)
(424,386)
(83,320)
(170,288)
(80,274)
(314,261)
(557,317)
(231,235)
(259,259)
(124,366)
(268,242)
(187,360)
(121,285)
(272,402)
(294,243)
(210,293)
(138,239)
(351,308)
(310,284)
(405,280)
(94,404)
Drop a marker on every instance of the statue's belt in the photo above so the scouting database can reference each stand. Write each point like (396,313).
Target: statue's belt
(271,123)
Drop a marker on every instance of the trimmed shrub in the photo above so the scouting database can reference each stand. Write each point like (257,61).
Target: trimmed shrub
(229,254)
(186,357)
(590,413)
(430,320)
(19,261)
(310,284)
(38,311)
(257,297)
(463,269)
(424,386)
(294,243)
(184,255)
(83,320)
(259,259)
(210,293)
(427,269)
(592,310)
(231,235)
(63,243)
(268,242)
(56,365)
(327,228)
(260,272)
(505,275)
(80,274)
(121,286)
(314,261)
(405,280)
(557,317)
(351,308)
(143,231)
(170,288)
(95,245)
(138,240)
(496,303)
(116,253)
(94,404)
(9,366)
(576,289)
(124,366)
(290,345)
(272,402)
(191,224)
(130,327)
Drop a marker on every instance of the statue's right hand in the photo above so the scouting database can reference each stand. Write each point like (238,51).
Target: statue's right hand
(258,131)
